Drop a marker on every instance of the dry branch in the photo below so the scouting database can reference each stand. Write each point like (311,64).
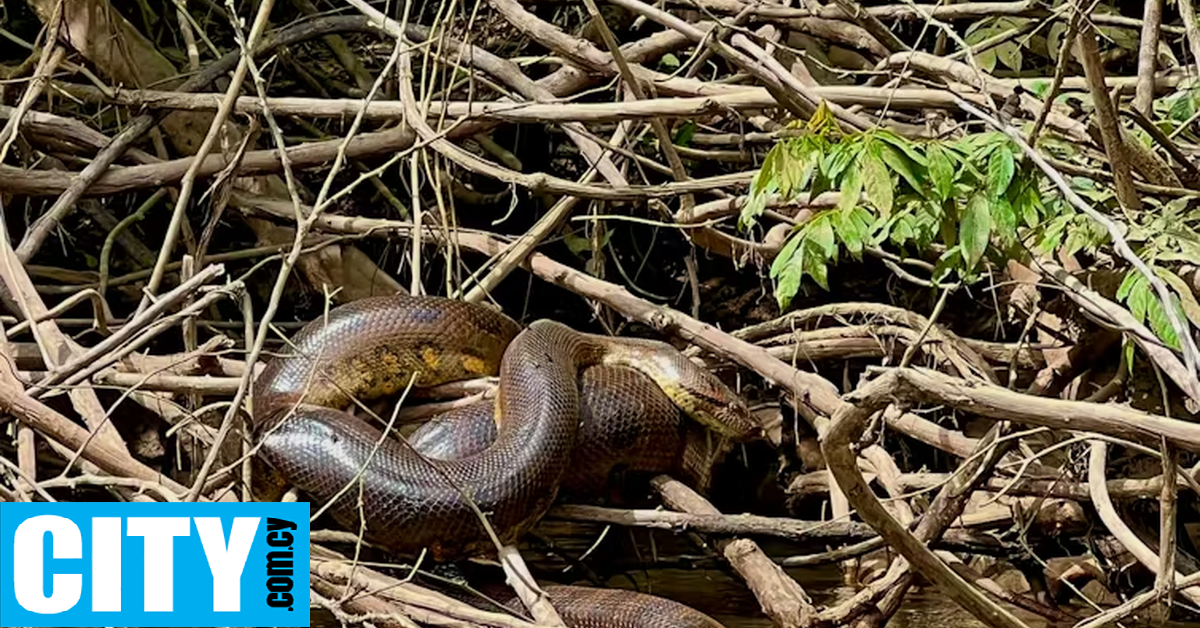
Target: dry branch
(753,525)
(676,123)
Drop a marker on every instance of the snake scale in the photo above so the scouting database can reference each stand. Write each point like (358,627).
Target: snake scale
(425,498)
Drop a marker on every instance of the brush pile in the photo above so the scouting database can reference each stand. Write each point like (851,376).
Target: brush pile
(949,253)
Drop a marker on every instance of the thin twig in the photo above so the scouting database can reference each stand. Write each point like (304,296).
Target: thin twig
(304,225)
(189,178)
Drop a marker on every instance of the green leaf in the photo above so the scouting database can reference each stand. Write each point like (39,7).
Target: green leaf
(788,285)
(901,165)
(1009,53)
(1131,277)
(577,244)
(810,158)
(686,132)
(1189,249)
(975,230)
(757,201)
(987,60)
(981,29)
(669,62)
(969,144)
(1052,236)
(1041,88)
(764,184)
(782,160)
(804,164)
(877,182)
(785,255)
(1187,300)
(949,224)
(851,230)
(1160,324)
(787,270)
(822,120)
(1001,167)
(837,160)
(788,164)
(926,229)
(941,171)
(978,146)
(863,218)
(1079,235)
(1183,107)
(767,171)
(1030,202)
(1005,218)
(852,187)
(903,145)
(816,267)
(1139,299)
(820,233)
(946,263)
(902,231)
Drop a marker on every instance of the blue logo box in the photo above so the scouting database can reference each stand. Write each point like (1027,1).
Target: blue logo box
(154,564)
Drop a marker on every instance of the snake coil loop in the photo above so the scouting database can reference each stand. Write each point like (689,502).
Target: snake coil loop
(379,346)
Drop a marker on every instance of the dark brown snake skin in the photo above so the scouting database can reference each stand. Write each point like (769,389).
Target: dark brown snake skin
(374,347)
(585,607)
(627,424)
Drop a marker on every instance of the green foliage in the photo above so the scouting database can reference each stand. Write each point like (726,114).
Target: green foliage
(1146,307)
(961,195)
(966,200)
(581,244)
(1008,53)
(1177,111)
(687,130)
(1167,233)
(1124,38)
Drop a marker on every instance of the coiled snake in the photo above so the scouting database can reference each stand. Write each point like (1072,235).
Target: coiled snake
(379,346)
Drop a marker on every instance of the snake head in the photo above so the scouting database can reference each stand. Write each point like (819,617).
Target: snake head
(736,421)
(693,388)
(716,406)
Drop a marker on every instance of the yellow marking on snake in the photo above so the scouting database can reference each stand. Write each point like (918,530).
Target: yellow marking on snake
(430,357)
(474,365)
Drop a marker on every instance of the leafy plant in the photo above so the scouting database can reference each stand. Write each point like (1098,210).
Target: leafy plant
(1166,234)
(965,200)
(1178,109)
(1007,53)
(958,196)
(1143,303)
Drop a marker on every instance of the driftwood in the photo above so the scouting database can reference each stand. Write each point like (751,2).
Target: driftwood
(591,162)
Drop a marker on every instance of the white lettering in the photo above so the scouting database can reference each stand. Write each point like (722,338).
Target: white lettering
(159,533)
(226,564)
(106,564)
(28,550)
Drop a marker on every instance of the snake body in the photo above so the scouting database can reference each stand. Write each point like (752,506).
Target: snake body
(379,346)
(627,424)
(585,607)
